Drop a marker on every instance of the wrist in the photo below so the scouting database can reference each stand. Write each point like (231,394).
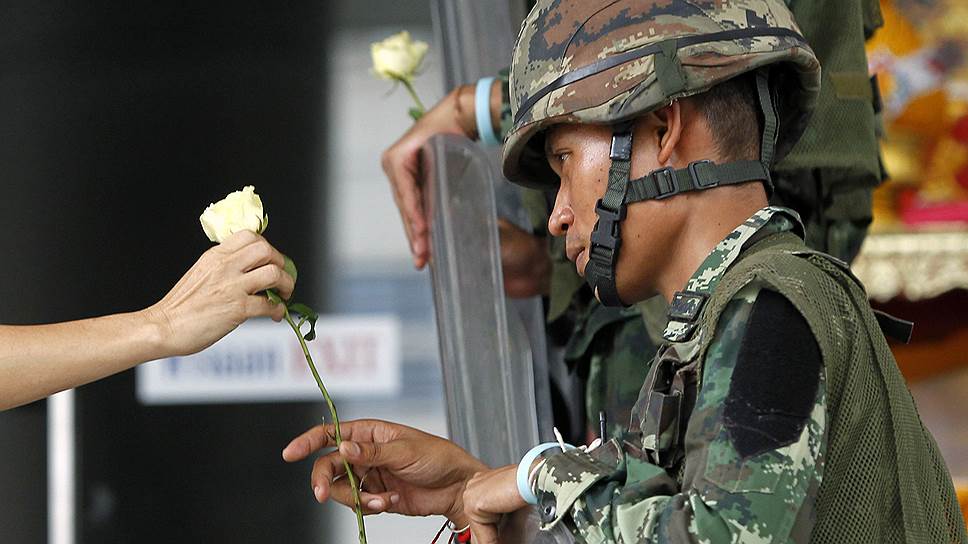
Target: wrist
(472,468)
(155,332)
(464,113)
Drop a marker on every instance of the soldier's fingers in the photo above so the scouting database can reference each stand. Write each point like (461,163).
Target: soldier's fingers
(372,503)
(402,167)
(392,454)
(325,476)
(313,440)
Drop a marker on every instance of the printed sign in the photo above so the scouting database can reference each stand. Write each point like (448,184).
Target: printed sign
(263,361)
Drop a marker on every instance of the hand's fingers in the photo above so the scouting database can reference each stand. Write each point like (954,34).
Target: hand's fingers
(256,254)
(325,470)
(313,440)
(259,305)
(238,240)
(268,276)
(401,167)
(373,503)
(483,533)
(392,454)
(377,503)
(416,215)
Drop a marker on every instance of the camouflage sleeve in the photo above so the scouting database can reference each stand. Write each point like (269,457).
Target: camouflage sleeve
(764,494)
(506,120)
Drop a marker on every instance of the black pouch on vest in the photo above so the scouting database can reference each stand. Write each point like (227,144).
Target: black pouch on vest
(667,400)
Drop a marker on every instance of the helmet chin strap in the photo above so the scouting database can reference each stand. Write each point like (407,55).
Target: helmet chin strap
(606,238)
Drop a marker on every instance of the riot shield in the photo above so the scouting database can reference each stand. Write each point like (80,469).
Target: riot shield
(493,350)
(488,358)
(484,349)
(476,38)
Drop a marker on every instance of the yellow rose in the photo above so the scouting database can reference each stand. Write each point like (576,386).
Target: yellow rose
(398,57)
(240,210)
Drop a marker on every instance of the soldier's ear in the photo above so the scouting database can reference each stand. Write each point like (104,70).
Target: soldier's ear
(669,124)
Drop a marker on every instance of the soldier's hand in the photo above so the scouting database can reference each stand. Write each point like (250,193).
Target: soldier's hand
(525,261)
(488,496)
(401,163)
(403,470)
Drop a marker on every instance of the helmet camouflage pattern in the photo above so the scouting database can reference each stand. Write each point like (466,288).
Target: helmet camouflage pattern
(608,61)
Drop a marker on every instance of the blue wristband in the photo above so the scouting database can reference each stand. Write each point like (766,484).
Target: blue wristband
(524,470)
(482,107)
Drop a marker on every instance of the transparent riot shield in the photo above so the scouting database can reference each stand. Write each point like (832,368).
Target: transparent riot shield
(485,351)
(488,357)
(493,349)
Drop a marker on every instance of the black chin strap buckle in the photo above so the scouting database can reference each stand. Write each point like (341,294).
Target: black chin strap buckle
(666,182)
(606,234)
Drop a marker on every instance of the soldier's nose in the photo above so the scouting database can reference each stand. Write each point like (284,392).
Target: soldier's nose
(561,218)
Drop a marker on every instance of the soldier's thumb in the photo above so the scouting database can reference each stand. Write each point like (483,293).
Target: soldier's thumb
(364,454)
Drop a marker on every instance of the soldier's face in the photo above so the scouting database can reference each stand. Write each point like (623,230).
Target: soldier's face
(579,154)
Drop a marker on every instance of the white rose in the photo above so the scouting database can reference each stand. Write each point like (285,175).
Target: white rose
(398,57)
(240,210)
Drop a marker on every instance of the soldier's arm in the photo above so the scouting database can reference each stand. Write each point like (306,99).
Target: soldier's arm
(753,447)
(455,114)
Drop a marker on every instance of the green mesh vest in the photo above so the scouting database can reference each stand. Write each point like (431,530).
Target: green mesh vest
(884,479)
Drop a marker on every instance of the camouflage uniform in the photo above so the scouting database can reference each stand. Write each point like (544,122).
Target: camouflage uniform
(616,493)
(826,179)
(691,481)
(774,411)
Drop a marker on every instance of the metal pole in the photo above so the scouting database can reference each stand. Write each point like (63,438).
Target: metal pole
(61,468)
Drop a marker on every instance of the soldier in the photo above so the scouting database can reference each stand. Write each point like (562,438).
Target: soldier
(774,410)
(828,178)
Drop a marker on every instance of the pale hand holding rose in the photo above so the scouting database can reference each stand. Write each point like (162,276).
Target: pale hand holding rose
(224,287)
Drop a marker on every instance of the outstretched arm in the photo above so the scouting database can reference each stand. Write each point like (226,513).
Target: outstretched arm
(220,291)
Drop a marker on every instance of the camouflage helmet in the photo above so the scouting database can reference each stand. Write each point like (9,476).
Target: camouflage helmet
(608,61)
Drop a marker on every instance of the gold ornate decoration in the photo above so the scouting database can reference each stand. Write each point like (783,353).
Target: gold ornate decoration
(915,265)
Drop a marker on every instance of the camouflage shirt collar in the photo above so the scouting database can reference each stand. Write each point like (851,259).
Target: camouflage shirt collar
(686,305)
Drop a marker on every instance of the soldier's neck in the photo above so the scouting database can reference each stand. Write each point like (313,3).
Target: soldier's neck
(713,215)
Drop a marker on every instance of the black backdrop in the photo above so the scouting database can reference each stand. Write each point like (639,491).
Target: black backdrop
(118,123)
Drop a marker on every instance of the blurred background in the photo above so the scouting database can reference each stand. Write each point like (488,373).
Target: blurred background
(119,123)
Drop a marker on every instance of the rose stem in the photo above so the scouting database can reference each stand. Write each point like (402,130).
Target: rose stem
(413,93)
(339,437)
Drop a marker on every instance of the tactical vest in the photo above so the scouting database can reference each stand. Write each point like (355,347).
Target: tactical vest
(884,480)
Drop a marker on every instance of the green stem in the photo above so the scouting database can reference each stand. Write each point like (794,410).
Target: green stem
(338,436)
(413,93)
